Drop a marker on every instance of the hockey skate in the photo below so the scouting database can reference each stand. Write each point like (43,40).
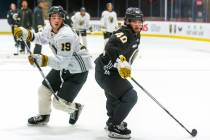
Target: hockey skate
(39,120)
(124,124)
(119,132)
(75,115)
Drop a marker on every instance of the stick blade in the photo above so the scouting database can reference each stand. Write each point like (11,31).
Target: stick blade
(194,132)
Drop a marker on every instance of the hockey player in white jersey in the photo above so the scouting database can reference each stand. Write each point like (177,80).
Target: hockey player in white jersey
(109,22)
(81,23)
(70,66)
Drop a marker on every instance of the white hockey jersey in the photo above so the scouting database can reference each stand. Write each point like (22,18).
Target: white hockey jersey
(109,21)
(81,22)
(65,44)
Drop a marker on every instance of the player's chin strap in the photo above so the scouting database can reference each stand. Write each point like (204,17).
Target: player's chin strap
(45,79)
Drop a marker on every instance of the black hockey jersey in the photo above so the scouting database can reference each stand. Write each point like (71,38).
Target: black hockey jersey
(123,42)
(12,18)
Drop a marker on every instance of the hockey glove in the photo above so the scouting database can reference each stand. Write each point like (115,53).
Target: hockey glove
(23,33)
(42,60)
(123,67)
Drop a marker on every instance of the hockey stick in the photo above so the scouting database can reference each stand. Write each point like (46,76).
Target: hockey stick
(40,70)
(192,133)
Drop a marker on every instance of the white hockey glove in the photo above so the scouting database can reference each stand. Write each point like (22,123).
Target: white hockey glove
(123,67)
(42,60)
(40,28)
(23,33)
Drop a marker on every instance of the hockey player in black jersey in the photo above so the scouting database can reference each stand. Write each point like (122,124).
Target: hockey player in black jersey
(113,66)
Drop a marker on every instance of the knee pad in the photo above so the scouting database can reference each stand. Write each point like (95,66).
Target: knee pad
(130,96)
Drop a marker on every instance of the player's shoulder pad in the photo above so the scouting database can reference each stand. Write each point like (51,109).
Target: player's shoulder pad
(87,14)
(104,13)
(120,36)
(77,13)
(114,12)
(66,32)
(123,29)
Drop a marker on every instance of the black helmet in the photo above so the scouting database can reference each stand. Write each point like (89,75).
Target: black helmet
(133,14)
(56,10)
(82,9)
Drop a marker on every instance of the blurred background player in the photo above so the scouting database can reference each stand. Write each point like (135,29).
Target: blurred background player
(114,66)
(81,23)
(70,66)
(109,22)
(38,22)
(13,20)
(67,19)
(26,15)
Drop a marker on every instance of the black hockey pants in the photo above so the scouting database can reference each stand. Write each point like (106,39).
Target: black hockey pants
(71,86)
(121,97)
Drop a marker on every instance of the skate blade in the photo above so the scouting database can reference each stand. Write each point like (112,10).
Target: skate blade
(118,136)
(38,125)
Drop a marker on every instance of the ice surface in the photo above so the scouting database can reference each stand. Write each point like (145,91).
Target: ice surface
(175,72)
